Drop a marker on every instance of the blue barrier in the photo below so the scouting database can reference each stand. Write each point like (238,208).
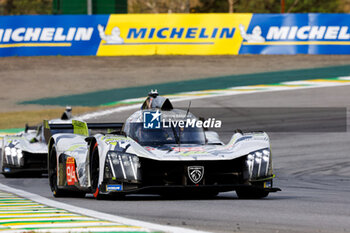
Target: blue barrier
(297,34)
(98,35)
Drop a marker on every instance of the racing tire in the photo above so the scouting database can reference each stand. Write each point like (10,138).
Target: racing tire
(251,193)
(94,174)
(52,170)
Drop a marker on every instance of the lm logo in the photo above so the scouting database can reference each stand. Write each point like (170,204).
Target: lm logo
(151,119)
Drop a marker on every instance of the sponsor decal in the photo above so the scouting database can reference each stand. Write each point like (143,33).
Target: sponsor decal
(295,33)
(113,139)
(114,38)
(70,171)
(45,34)
(200,34)
(6,169)
(50,35)
(268,184)
(308,33)
(187,149)
(77,147)
(209,123)
(255,36)
(152,120)
(195,173)
(114,187)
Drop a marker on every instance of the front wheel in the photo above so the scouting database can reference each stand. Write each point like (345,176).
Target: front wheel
(57,192)
(53,174)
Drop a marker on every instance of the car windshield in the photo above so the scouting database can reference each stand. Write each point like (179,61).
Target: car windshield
(169,135)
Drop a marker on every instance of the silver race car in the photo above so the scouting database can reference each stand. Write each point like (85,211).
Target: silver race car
(26,152)
(145,156)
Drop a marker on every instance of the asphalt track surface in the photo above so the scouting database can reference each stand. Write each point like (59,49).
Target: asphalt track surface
(312,169)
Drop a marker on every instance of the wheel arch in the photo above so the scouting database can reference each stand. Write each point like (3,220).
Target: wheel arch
(92,143)
(50,145)
(53,143)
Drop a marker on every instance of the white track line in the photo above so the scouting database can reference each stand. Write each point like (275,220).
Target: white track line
(107,112)
(93,213)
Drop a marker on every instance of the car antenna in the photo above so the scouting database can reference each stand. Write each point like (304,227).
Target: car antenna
(188,110)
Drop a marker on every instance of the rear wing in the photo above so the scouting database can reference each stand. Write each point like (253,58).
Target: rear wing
(81,128)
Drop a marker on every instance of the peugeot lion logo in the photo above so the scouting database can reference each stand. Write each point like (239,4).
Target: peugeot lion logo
(195,173)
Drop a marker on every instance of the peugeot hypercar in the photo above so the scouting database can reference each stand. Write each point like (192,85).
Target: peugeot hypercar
(26,152)
(143,155)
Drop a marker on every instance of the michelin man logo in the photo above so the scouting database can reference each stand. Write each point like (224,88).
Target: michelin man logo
(113,38)
(151,119)
(255,37)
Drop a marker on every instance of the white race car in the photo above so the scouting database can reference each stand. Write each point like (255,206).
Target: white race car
(138,157)
(25,153)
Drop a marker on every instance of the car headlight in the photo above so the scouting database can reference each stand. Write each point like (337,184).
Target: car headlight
(250,157)
(19,154)
(7,151)
(258,163)
(13,155)
(13,152)
(124,165)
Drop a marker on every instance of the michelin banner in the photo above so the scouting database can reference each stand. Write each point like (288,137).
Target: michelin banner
(49,35)
(180,34)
